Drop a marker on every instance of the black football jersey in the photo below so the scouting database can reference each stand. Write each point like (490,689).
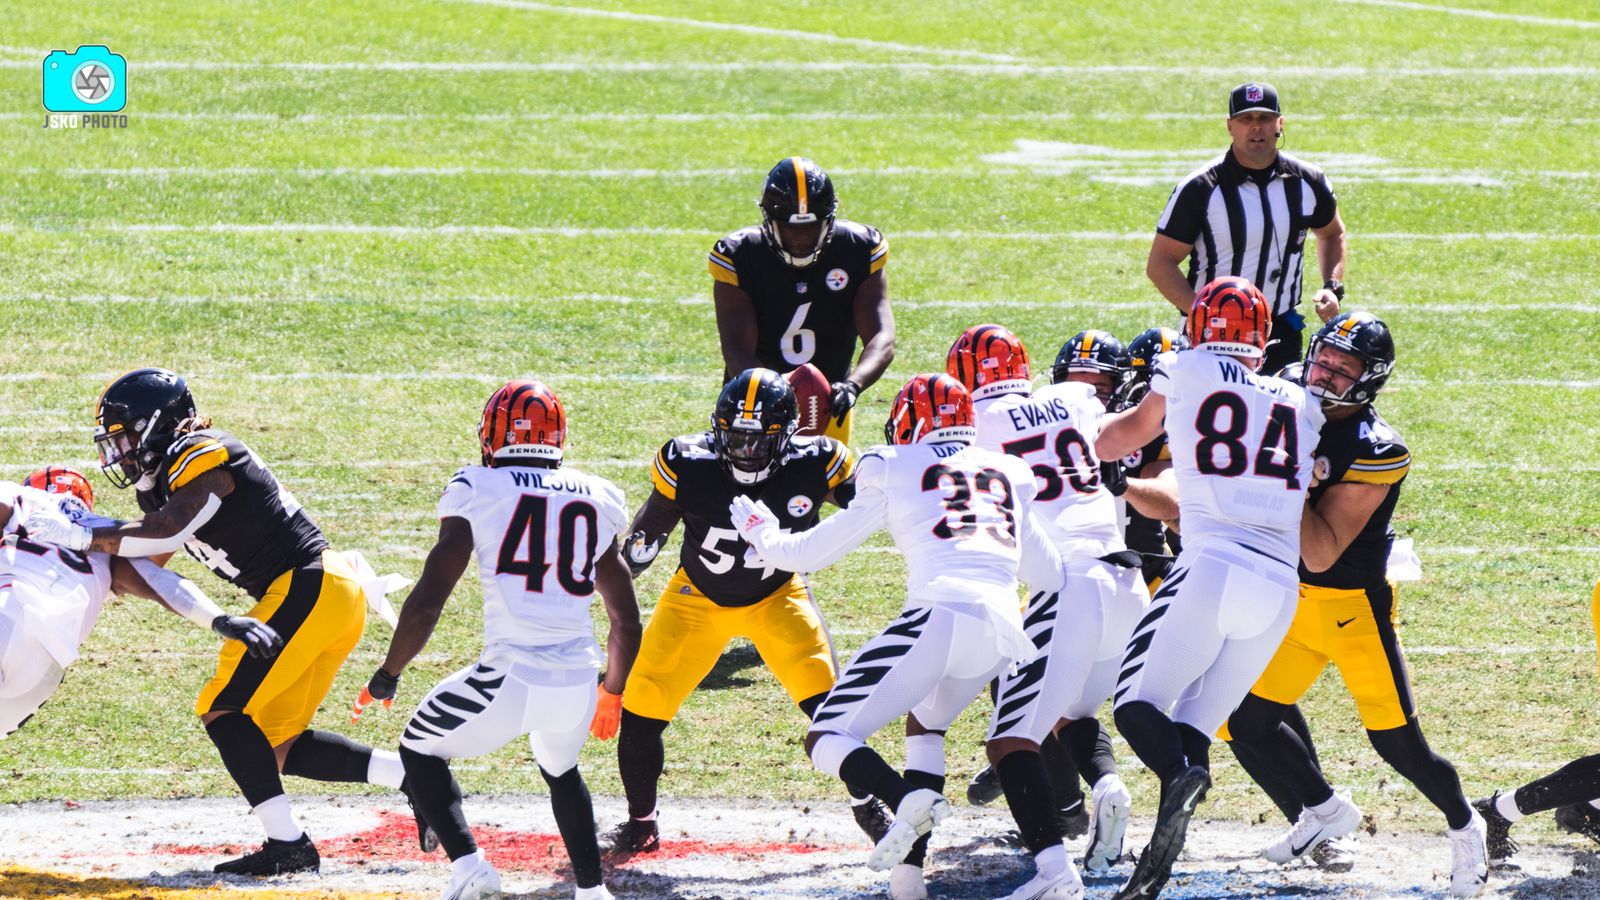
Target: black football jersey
(687,472)
(1362,448)
(260,531)
(802,315)
(1145,534)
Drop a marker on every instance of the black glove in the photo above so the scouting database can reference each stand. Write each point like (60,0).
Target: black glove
(843,398)
(1129,395)
(1114,477)
(383,685)
(260,640)
(638,552)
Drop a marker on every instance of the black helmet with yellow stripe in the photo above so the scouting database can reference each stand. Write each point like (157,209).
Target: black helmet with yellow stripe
(797,210)
(1091,351)
(755,419)
(136,420)
(1363,336)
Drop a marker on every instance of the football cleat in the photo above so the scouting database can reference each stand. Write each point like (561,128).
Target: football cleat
(1178,803)
(1312,829)
(1073,821)
(984,788)
(1230,316)
(632,836)
(1061,886)
(1469,858)
(989,360)
(523,421)
(873,818)
(1336,856)
(1112,806)
(1498,837)
(930,408)
(798,205)
(917,814)
(426,839)
(755,419)
(1579,818)
(906,883)
(275,858)
(476,883)
(136,420)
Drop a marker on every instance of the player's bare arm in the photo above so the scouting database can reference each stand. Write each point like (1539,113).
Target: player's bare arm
(1328,527)
(615,583)
(1155,495)
(446,562)
(1164,269)
(166,529)
(1124,432)
(875,324)
(652,525)
(1331,248)
(736,326)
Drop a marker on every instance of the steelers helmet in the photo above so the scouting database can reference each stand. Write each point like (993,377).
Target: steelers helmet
(136,419)
(1364,336)
(797,192)
(755,419)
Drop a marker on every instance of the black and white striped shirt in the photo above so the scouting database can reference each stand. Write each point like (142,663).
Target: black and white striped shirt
(1250,222)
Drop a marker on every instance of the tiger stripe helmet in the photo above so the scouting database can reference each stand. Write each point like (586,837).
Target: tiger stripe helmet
(523,420)
(1230,316)
(989,360)
(797,192)
(930,408)
(62,480)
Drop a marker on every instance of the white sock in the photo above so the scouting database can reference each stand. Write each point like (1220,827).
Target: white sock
(386,769)
(460,867)
(1052,860)
(1506,803)
(278,819)
(598,892)
(649,818)
(925,753)
(1326,808)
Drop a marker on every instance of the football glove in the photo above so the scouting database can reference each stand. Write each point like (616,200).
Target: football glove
(607,715)
(750,517)
(843,398)
(50,527)
(381,687)
(639,552)
(259,638)
(1114,477)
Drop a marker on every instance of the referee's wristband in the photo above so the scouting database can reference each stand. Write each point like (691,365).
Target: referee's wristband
(1336,286)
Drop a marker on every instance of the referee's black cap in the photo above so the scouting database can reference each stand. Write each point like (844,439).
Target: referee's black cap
(1253,96)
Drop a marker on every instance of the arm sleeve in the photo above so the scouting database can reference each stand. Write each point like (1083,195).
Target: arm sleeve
(1326,204)
(1185,212)
(179,593)
(829,541)
(1040,567)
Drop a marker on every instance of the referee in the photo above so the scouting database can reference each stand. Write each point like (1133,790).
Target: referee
(1247,214)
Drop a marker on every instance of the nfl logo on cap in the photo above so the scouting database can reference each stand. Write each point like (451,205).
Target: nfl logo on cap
(1252,93)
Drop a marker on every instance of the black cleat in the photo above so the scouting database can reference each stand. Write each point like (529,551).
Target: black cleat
(426,839)
(1178,802)
(1501,846)
(275,858)
(984,788)
(632,836)
(1073,820)
(873,817)
(1579,818)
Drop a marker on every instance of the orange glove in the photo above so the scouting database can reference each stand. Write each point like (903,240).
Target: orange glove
(607,715)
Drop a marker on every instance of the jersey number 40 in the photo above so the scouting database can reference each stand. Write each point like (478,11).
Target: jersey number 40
(529,530)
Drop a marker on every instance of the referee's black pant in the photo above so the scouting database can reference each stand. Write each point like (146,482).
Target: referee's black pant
(1287,343)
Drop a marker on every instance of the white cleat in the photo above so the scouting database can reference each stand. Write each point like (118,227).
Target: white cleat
(917,814)
(906,883)
(1061,886)
(1336,856)
(1469,858)
(598,892)
(1312,830)
(1112,805)
(477,883)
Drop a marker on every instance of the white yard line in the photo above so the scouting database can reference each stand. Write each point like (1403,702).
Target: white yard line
(788,34)
(1480,13)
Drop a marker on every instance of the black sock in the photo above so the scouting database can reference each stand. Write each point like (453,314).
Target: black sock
(1273,754)
(918,779)
(1090,745)
(325,756)
(1196,746)
(1295,718)
(1153,737)
(569,799)
(1576,782)
(1256,765)
(809,707)
(1028,793)
(1408,752)
(1063,773)
(865,767)
(641,757)
(247,755)
(438,801)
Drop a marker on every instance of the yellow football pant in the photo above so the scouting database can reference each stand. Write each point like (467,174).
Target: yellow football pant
(319,612)
(840,431)
(688,632)
(1355,630)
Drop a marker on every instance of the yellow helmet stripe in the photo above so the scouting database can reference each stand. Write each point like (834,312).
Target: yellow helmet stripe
(1088,347)
(750,399)
(800,181)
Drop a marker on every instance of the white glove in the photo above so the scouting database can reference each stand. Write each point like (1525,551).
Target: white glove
(751,518)
(49,527)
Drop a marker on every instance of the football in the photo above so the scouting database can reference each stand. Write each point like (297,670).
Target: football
(811,392)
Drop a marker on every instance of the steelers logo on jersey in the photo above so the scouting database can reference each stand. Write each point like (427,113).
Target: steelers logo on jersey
(799,505)
(1133,460)
(838,279)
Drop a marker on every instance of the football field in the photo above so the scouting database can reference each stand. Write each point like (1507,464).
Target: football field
(348,223)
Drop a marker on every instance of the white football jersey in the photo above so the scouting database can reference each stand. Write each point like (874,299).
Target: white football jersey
(1054,431)
(537,534)
(1242,447)
(60,592)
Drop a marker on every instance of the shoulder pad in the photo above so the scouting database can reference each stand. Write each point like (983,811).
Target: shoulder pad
(196,453)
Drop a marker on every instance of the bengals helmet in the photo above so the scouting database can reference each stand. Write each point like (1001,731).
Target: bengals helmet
(136,419)
(523,421)
(797,193)
(930,408)
(755,419)
(62,480)
(1364,336)
(989,360)
(1230,316)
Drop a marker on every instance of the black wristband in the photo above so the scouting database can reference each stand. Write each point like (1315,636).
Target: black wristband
(1335,285)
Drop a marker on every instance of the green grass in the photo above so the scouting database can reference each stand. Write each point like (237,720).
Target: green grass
(310,345)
